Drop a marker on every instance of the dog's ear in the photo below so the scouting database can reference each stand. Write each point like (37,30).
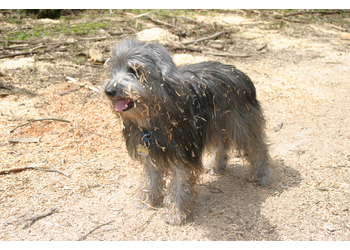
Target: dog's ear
(165,63)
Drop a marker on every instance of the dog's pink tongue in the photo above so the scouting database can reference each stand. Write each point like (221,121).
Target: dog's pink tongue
(121,104)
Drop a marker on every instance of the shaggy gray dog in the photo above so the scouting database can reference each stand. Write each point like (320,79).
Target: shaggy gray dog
(171,114)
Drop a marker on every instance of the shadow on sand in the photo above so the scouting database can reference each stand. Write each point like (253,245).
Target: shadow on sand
(228,207)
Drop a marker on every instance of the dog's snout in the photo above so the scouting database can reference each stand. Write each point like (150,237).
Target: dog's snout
(110,91)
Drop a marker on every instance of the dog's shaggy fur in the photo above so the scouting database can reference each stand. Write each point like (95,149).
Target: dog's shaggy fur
(171,114)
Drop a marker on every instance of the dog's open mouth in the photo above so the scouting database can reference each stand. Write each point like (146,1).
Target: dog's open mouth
(123,105)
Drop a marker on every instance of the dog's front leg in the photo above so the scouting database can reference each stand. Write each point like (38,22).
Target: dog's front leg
(151,190)
(180,195)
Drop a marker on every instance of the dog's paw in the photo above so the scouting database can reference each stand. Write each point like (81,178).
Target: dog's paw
(145,205)
(263,178)
(217,171)
(217,166)
(176,217)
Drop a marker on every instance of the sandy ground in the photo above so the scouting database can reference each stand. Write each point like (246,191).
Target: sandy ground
(302,79)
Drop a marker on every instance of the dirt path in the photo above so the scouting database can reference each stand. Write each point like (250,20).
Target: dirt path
(302,78)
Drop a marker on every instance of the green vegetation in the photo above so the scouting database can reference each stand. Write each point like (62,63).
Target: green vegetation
(64,28)
(85,22)
(80,29)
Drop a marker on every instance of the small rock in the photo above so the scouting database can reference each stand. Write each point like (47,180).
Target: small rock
(329,227)
(278,127)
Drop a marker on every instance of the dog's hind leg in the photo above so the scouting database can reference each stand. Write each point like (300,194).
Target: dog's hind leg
(250,139)
(151,190)
(218,164)
(180,194)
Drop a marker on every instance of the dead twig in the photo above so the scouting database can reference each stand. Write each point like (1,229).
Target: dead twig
(14,170)
(37,47)
(17,42)
(318,183)
(262,47)
(28,140)
(184,48)
(217,190)
(93,39)
(225,55)
(19,54)
(39,216)
(36,120)
(165,24)
(68,91)
(339,28)
(94,229)
(148,221)
(20,47)
(186,18)
(141,15)
(48,119)
(206,38)
(201,50)
(59,171)
(322,12)
(92,88)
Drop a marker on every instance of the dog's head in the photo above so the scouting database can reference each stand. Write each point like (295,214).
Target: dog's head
(141,79)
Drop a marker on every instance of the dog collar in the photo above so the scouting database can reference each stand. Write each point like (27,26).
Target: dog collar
(146,136)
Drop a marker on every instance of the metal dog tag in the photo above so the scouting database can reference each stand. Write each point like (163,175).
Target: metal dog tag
(143,150)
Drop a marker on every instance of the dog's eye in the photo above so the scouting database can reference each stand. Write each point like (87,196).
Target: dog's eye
(132,71)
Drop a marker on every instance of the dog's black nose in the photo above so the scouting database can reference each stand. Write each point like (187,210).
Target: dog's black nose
(110,92)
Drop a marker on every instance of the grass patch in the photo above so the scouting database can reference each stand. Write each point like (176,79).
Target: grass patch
(40,31)
(88,28)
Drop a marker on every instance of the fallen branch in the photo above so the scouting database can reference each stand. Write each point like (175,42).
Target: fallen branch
(36,120)
(19,54)
(339,28)
(316,12)
(14,170)
(17,42)
(184,48)
(39,216)
(186,18)
(86,235)
(47,47)
(206,38)
(14,140)
(226,55)
(93,39)
(48,119)
(18,47)
(165,24)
